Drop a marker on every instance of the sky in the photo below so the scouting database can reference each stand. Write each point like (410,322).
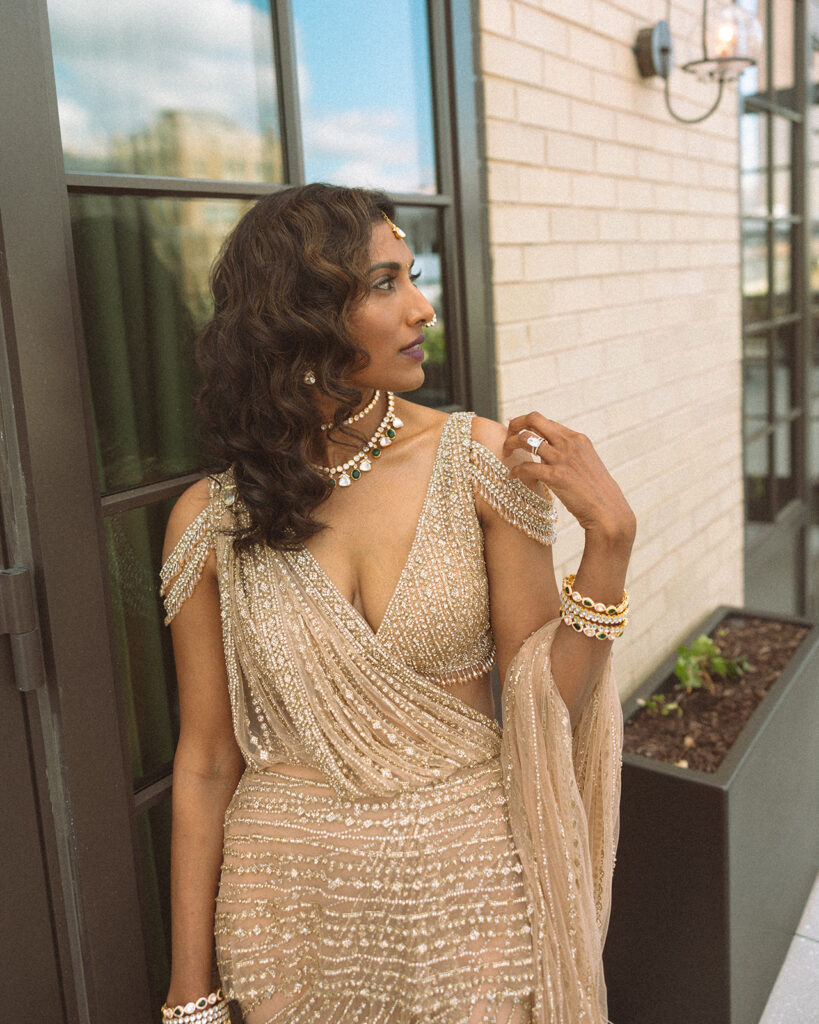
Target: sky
(363,71)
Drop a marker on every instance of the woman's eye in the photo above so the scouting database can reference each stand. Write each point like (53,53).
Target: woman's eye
(385,284)
(414,276)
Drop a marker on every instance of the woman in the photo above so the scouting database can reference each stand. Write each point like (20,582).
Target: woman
(388,856)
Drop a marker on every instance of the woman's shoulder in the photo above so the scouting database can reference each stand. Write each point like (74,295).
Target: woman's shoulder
(190,504)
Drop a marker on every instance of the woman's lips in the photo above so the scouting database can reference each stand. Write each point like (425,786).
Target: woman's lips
(414,351)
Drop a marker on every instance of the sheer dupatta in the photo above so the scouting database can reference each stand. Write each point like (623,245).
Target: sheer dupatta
(563,795)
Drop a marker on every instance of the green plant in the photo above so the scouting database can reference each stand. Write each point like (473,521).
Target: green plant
(698,664)
(659,704)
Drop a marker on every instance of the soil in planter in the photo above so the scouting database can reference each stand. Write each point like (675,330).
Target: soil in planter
(702,736)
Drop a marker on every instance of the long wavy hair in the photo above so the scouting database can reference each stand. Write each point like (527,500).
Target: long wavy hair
(283,287)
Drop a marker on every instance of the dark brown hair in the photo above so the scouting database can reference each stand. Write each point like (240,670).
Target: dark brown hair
(283,287)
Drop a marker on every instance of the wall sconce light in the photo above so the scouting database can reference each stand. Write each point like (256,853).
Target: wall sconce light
(731,43)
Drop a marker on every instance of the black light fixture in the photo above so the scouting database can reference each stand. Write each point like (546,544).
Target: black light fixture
(731,43)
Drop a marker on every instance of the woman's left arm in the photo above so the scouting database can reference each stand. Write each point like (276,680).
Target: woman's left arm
(523,592)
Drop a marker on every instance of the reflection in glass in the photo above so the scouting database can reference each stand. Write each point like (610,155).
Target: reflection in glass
(376,130)
(142,271)
(757,469)
(146,670)
(782,177)
(154,839)
(782,269)
(781,21)
(755,384)
(754,270)
(753,165)
(158,88)
(784,372)
(423,230)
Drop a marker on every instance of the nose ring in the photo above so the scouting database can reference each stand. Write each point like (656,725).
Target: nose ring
(433,321)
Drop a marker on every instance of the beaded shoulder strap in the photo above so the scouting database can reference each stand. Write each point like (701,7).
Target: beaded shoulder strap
(518,504)
(183,567)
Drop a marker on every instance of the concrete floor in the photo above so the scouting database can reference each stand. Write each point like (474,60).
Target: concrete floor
(795,996)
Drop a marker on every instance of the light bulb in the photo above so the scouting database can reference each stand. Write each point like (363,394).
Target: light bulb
(733,42)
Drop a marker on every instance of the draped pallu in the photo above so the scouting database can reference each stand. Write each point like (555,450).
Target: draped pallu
(441,870)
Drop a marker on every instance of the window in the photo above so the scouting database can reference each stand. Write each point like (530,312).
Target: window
(171,125)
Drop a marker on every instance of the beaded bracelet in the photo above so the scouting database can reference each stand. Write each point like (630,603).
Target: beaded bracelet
(210,1009)
(592,619)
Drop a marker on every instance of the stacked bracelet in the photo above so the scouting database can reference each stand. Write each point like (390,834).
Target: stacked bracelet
(210,1009)
(593,619)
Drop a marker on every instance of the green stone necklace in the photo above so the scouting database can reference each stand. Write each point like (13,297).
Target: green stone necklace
(345,473)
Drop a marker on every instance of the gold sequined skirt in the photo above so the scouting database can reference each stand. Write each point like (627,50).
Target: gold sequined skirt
(407,910)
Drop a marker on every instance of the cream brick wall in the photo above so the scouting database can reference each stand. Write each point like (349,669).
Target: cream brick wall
(614,235)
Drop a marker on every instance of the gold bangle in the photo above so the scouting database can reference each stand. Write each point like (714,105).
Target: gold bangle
(589,603)
(181,1011)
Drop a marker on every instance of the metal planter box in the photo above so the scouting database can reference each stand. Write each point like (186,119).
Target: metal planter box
(713,870)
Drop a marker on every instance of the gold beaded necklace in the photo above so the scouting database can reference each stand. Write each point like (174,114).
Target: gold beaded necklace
(359,415)
(346,472)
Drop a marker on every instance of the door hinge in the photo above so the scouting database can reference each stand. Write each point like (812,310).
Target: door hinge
(18,618)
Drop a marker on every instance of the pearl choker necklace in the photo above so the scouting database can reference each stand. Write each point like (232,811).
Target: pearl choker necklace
(359,415)
(346,472)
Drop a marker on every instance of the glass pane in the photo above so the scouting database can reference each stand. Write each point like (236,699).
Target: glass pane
(142,270)
(154,838)
(782,257)
(167,88)
(782,178)
(784,372)
(365,93)
(782,71)
(757,468)
(754,164)
(147,677)
(754,270)
(755,384)
(423,230)
(755,79)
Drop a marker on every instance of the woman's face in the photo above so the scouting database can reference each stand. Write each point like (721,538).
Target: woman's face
(388,321)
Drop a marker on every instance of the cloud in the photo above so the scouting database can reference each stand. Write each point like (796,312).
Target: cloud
(366,147)
(118,65)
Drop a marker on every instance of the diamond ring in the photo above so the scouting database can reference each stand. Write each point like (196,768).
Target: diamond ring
(534,441)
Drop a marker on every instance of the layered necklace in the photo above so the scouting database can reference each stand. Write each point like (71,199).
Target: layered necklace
(346,472)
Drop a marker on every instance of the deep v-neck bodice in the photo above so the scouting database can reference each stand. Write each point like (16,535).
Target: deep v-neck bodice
(403,577)
(437,618)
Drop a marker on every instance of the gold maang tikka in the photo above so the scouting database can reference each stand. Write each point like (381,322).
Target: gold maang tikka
(399,234)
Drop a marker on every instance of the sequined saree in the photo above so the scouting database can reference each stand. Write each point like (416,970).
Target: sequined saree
(443,872)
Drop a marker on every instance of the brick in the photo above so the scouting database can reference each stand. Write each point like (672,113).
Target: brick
(548,262)
(564,76)
(512,343)
(537,106)
(569,152)
(589,48)
(503,181)
(615,159)
(496,16)
(507,263)
(514,142)
(521,302)
(499,98)
(517,224)
(594,190)
(552,32)
(592,119)
(545,185)
(574,225)
(511,60)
